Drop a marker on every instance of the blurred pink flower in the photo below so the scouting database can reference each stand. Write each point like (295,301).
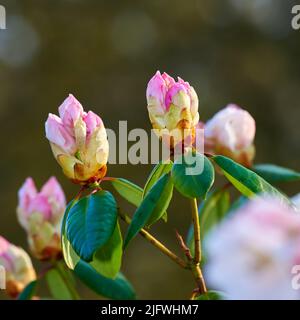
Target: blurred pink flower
(17,266)
(40,214)
(173,108)
(231,133)
(78,141)
(251,254)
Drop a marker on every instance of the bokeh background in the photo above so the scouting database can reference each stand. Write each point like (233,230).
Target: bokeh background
(104,52)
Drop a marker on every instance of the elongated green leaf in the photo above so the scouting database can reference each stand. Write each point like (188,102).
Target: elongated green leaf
(211,212)
(194,176)
(107,260)
(273,173)
(70,256)
(152,207)
(28,291)
(91,222)
(246,181)
(57,286)
(159,170)
(118,288)
(128,190)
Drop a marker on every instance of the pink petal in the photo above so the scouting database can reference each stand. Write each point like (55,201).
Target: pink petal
(92,121)
(52,189)
(40,204)
(70,111)
(57,134)
(172,92)
(4,244)
(26,193)
(157,88)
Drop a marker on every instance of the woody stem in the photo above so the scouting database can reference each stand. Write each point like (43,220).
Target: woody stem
(156,243)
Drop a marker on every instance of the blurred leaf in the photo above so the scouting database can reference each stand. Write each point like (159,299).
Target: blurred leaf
(159,170)
(273,173)
(193,185)
(211,212)
(210,295)
(152,207)
(28,291)
(245,180)
(57,286)
(238,203)
(91,222)
(70,256)
(118,288)
(128,190)
(107,260)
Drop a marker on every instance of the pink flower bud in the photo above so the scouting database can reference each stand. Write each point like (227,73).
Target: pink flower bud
(17,268)
(78,141)
(173,108)
(40,214)
(255,249)
(231,133)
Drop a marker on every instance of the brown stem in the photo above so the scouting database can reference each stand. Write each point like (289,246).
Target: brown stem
(195,267)
(157,243)
(184,247)
(79,194)
(199,278)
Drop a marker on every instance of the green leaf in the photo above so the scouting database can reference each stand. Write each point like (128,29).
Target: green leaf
(211,212)
(210,295)
(70,256)
(159,170)
(152,207)
(107,260)
(246,181)
(118,288)
(91,222)
(273,173)
(189,184)
(214,210)
(128,190)
(57,286)
(28,291)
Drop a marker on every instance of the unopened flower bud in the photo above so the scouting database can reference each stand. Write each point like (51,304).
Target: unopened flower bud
(256,249)
(40,214)
(231,133)
(173,109)
(16,268)
(79,142)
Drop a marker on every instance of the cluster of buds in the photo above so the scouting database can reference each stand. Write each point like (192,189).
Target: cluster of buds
(16,268)
(173,110)
(231,133)
(40,214)
(256,250)
(79,142)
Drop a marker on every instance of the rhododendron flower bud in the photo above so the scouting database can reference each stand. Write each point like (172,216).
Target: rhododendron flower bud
(251,255)
(173,109)
(231,133)
(79,142)
(17,270)
(40,214)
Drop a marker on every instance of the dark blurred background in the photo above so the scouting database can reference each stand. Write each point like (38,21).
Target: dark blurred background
(104,52)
